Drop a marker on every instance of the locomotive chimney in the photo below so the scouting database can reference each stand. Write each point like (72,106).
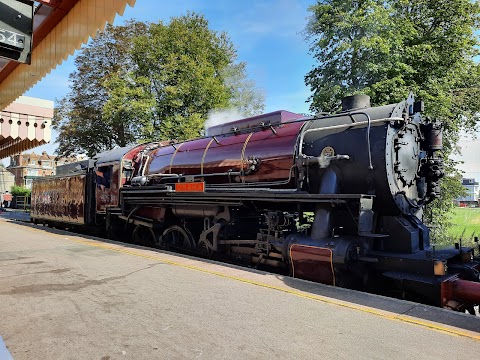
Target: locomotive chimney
(433,137)
(355,102)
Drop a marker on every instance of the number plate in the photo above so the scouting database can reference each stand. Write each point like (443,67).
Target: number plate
(190,187)
(12,40)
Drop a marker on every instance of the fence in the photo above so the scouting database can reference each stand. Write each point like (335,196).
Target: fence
(21,202)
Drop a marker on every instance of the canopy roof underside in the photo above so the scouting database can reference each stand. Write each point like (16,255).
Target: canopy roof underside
(25,124)
(59,28)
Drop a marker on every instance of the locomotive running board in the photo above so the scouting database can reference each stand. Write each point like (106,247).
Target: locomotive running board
(154,196)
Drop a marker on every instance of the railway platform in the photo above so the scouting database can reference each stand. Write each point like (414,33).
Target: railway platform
(68,296)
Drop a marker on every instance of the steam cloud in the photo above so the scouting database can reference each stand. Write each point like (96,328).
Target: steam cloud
(220,117)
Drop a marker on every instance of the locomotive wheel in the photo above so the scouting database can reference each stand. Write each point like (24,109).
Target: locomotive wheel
(205,250)
(143,236)
(177,237)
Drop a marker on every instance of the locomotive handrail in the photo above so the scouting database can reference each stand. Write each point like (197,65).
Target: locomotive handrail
(333,127)
(254,186)
(302,119)
(228,173)
(369,126)
(265,191)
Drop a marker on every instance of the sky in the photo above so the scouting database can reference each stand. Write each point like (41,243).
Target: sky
(268,37)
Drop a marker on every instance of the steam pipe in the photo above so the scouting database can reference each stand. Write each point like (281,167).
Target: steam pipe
(322,224)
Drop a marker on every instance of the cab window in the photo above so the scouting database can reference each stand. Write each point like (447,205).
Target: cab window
(103,177)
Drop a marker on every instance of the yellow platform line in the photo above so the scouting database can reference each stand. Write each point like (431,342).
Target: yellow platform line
(364,309)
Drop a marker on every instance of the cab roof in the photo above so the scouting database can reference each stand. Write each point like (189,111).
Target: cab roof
(113,155)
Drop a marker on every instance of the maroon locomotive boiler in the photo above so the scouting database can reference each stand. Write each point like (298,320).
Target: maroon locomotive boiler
(336,198)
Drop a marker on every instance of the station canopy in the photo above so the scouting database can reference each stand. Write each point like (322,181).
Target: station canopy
(59,28)
(25,124)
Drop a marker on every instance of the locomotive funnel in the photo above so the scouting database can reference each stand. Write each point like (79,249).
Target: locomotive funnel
(355,102)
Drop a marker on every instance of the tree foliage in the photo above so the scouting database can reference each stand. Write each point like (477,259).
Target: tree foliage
(387,49)
(190,70)
(143,82)
(79,115)
(16,190)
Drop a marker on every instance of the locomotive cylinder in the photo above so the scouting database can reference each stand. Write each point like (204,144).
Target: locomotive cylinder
(196,211)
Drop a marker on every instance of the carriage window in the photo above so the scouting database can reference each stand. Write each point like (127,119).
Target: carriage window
(104,174)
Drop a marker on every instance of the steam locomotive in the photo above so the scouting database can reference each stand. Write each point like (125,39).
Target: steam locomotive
(334,198)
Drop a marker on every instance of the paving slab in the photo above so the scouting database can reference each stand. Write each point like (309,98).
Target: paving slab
(67,296)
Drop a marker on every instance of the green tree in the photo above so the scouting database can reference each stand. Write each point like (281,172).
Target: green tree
(351,40)
(79,115)
(191,70)
(387,49)
(130,104)
(244,96)
(144,82)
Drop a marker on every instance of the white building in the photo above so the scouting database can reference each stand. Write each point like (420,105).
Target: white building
(472,188)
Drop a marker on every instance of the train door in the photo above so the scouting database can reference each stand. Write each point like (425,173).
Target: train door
(107,180)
